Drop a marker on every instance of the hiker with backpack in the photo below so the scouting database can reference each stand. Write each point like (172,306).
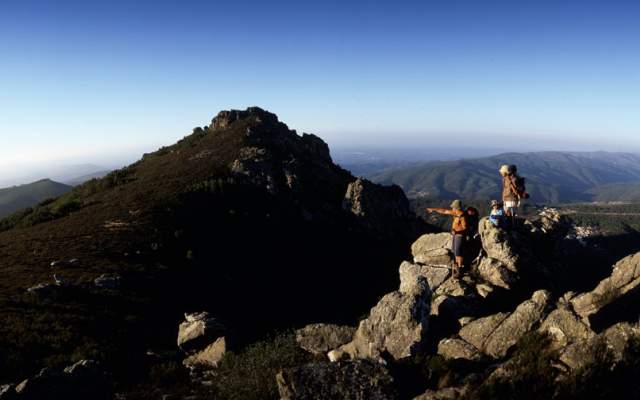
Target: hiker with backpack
(513,191)
(462,227)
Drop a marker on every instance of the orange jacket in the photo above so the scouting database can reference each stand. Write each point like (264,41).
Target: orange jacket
(460,224)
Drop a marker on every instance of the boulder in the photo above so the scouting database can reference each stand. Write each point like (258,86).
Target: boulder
(500,245)
(209,357)
(352,380)
(454,298)
(525,318)
(496,334)
(382,209)
(564,328)
(320,338)
(433,249)
(478,331)
(615,340)
(435,276)
(397,325)
(453,349)
(624,279)
(551,222)
(198,331)
(496,273)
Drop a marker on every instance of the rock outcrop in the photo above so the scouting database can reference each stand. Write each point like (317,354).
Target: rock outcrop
(320,338)
(354,380)
(613,341)
(433,250)
(496,334)
(434,275)
(203,338)
(397,325)
(623,281)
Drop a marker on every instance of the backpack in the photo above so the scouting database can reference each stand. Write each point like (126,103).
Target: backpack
(521,189)
(472,216)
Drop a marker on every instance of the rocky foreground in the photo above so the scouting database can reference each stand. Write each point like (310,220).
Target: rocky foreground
(478,319)
(406,322)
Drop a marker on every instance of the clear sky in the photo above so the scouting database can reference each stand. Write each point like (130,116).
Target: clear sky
(87,78)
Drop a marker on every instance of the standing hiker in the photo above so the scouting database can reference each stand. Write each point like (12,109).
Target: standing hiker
(459,229)
(513,191)
(510,197)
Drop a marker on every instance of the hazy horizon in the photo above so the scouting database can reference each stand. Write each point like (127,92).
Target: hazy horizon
(64,169)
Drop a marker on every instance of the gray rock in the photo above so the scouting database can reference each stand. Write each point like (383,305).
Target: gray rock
(496,273)
(435,275)
(500,245)
(209,357)
(525,318)
(382,209)
(454,298)
(564,328)
(615,339)
(624,279)
(396,325)
(453,349)
(351,380)
(321,338)
(478,331)
(433,249)
(496,334)
(198,331)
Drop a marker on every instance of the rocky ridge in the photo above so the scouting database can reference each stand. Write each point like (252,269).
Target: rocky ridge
(405,322)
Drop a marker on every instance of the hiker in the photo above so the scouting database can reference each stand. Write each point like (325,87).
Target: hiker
(459,229)
(497,214)
(510,196)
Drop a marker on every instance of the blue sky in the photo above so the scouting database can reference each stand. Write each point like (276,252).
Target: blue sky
(96,79)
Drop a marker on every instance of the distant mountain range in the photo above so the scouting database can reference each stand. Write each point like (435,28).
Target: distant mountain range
(82,179)
(71,174)
(23,196)
(552,177)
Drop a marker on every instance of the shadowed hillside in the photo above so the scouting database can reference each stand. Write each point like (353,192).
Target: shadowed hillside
(243,218)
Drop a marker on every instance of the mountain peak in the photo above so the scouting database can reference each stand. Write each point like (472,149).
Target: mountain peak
(227,117)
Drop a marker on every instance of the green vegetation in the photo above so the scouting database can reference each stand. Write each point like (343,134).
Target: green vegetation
(251,373)
(610,219)
(529,374)
(19,197)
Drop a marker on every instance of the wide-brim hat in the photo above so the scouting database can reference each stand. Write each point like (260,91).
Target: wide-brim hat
(504,169)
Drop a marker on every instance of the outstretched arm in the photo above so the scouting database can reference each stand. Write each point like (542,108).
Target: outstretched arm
(444,211)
